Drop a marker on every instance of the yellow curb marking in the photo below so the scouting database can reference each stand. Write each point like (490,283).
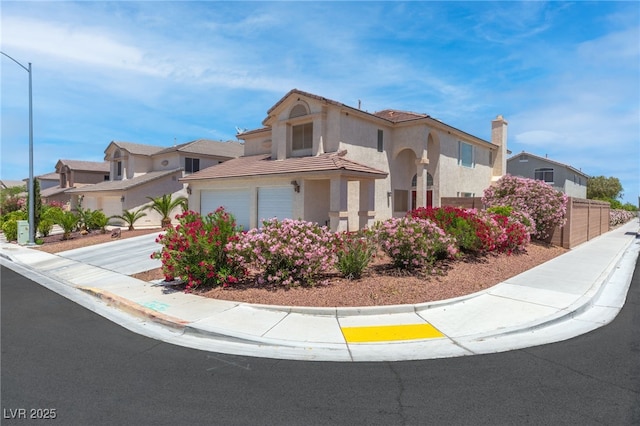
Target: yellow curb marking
(387,333)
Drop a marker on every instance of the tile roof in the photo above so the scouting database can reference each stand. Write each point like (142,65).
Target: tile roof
(123,185)
(89,166)
(5,183)
(138,148)
(397,116)
(49,176)
(230,149)
(261,165)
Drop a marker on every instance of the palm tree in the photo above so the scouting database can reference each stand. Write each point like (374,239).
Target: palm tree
(130,217)
(68,221)
(165,205)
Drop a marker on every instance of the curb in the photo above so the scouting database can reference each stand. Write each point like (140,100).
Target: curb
(135,309)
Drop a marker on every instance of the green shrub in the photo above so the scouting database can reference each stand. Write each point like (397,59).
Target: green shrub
(354,251)
(10,229)
(45,226)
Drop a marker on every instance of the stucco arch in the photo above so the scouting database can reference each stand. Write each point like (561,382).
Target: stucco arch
(299,109)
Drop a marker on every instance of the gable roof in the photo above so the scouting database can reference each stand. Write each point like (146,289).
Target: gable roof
(545,159)
(86,166)
(136,148)
(5,183)
(48,176)
(231,149)
(262,165)
(123,185)
(391,116)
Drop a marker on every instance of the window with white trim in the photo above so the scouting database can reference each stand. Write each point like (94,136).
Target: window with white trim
(544,174)
(380,140)
(465,154)
(302,137)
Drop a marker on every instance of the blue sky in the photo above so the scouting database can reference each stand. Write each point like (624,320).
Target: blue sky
(566,75)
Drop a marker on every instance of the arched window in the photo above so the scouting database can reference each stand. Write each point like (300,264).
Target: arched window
(414,181)
(298,111)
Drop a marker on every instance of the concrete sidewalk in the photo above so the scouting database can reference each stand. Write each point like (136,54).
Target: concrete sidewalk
(570,295)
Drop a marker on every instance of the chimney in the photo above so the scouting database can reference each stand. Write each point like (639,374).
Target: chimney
(499,138)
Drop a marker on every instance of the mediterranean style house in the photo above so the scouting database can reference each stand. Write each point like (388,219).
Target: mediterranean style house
(137,171)
(562,177)
(323,161)
(71,174)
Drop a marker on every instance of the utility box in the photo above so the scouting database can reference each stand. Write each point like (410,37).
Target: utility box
(23,232)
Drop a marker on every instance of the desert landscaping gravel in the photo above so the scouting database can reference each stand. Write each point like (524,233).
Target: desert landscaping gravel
(380,285)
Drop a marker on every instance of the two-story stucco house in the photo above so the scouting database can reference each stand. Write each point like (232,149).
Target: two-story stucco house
(562,177)
(138,171)
(71,174)
(322,161)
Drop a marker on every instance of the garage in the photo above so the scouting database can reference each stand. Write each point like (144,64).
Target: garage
(234,201)
(275,202)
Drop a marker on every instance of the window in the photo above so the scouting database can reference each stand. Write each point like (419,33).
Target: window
(191,165)
(119,168)
(524,158)
(466,194)
(106,177)
(545,174)
(380,140)
(400,200)
(302,137)
(465,154)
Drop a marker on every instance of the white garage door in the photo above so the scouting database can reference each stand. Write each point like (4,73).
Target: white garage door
(236,202)
(275,202)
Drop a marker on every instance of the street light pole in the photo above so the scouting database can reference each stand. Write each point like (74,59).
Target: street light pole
(32,231)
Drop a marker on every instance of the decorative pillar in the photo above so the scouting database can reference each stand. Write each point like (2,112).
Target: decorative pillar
(338,214)
(367,212)
(421,180)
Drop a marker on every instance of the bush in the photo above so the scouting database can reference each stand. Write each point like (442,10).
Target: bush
(10,224)
(194,250)
(413,243)
(288,252)
(546,206)
(45,226)
(458,223)
(10,229)
(354,252)
(618,217)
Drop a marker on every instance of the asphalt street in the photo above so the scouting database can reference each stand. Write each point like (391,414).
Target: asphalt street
(57,355)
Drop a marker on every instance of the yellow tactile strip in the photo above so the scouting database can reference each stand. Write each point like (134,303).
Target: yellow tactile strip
(388,333)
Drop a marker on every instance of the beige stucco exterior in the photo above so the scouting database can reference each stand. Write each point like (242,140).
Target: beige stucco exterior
(137,172)
(417,154)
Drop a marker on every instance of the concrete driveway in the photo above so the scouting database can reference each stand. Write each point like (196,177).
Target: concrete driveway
(127,257)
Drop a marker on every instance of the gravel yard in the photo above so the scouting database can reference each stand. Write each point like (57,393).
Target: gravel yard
(380,285)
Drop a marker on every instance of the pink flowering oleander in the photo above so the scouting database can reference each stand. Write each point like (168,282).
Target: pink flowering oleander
(414,243)
(288,252)
(618,217)
(546,206)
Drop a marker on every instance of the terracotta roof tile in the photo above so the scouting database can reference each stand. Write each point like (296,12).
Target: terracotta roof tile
(122,185)
(261,165)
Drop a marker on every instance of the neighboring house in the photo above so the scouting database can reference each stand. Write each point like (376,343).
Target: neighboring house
(326,162)
(562,177)
(138,171)
(6,184)
(71,174)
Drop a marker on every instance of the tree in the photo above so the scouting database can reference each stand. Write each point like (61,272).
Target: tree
(604,188)
(165,205)
(10,198)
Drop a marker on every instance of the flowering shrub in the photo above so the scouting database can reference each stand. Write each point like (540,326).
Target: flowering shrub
(288,252)
(546,206)
(498,229)
(194,250)
(354,251)
(413,243)
(458,223)
(618,217)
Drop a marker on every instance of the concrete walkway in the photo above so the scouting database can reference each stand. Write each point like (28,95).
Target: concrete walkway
(567,296)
